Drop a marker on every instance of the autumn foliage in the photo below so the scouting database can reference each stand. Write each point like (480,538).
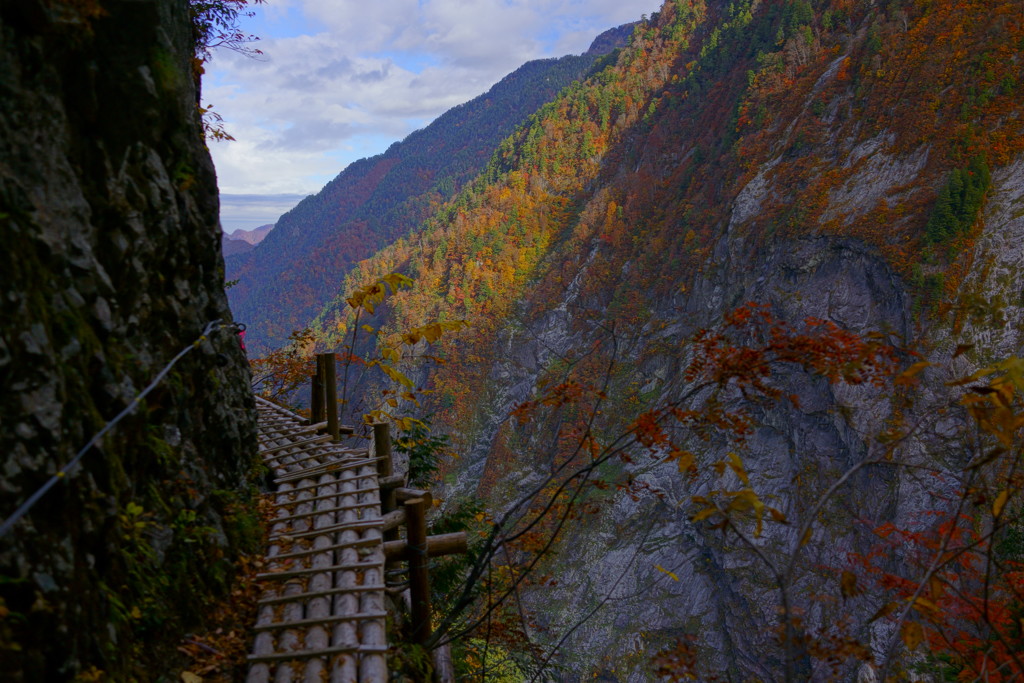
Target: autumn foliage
(674,180)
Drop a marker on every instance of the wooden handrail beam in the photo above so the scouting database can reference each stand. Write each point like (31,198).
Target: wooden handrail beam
(437,546)
(391,482)
(393,520)
(403,494)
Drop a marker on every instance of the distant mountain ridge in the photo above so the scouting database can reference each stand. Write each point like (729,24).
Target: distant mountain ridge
(299,266)
(612,39)
(243,241)
(254,236)
(231,247)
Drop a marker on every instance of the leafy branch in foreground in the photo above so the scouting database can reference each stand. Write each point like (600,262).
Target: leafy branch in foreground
(216,25)
(528,530)
(391,354)
(281,373)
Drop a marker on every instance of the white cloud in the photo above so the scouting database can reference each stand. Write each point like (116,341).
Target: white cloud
(252,211)
(364,71)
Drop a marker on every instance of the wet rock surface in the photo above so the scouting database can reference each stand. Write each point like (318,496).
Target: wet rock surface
(109,266)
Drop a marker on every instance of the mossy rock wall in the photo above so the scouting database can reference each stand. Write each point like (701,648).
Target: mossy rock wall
(109,265)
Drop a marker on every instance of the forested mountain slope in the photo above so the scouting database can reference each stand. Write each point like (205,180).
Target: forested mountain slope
(856,162)
(297,268)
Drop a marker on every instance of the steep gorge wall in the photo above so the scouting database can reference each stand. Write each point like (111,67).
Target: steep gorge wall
(110,265)
(788,153)
(844,260)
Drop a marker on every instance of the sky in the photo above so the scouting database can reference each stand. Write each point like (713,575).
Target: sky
(340,80)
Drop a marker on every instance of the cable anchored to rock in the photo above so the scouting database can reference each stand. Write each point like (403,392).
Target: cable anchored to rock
(63,472)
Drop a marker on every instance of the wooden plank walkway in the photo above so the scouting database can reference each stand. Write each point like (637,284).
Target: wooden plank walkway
(323,617)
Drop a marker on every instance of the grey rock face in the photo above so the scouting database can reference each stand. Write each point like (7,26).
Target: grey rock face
(109,265)
(614,608)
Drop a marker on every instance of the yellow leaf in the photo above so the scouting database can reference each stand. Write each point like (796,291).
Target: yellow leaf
(703,514)
(907,376)
(136,613)
(777,515)
(886,609)
(665,571)
(737,466)
(189,677)
(747,499)
(984,372)
(997,507)
(396,376)
(368,329)
(926,604)
(685,461)
(397,281)
(912,634)
(432,332)
(806,538)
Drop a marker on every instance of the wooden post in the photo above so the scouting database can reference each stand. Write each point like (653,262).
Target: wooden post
(382,448)
(385,472)
(331,391)
(316,399)
(385,465)
(419,560)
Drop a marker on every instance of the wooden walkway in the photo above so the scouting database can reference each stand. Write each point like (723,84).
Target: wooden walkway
(323,617)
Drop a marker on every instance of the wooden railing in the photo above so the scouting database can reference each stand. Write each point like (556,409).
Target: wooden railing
(401,506)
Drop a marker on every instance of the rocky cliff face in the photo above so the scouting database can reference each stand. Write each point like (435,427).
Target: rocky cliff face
(110,266)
